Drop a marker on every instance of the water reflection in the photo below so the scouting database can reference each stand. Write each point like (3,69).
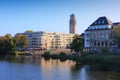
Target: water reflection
(95,72)
(56,70)
(37,68)
(21,59)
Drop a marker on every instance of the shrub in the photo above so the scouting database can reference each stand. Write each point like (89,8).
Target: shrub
(54,56)
(46,54)
(63,54)
(104,51)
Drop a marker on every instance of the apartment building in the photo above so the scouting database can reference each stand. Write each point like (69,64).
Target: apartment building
(48,40)
(98,35)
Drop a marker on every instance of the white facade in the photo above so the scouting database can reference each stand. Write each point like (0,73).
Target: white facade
(48,40)
(87,39)
(98,35)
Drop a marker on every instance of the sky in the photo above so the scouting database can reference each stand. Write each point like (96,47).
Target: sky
(17,16)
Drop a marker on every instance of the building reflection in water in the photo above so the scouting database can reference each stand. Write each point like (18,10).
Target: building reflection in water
(56,70)
(61,70)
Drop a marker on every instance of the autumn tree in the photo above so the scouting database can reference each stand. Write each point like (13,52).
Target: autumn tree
(6,45)
(27,31)
(21,41)
(77,44)
(116,34)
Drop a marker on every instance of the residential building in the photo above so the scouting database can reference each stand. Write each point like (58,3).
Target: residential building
(48,40)
(98,35)
(72,24)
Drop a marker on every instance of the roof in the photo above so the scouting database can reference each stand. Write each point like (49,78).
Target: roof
(102,21)
(116,23)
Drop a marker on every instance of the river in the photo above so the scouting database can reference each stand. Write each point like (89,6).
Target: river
(37,68)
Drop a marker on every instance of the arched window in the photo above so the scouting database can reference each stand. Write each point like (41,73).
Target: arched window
(102,43)
(106,43)
(98,43)
(94,43)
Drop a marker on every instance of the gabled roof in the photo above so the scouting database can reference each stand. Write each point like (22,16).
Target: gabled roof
(102,21)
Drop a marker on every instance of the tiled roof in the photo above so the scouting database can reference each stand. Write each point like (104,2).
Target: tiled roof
(102,21)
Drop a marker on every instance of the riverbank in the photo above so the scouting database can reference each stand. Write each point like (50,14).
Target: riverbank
(86,58)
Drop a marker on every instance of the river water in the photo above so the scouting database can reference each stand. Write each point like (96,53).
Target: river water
(37,68)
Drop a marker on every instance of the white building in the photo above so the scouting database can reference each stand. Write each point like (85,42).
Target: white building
(98,34)
(48,40)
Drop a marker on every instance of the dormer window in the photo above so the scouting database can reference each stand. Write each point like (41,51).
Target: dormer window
(99,22)
(95,22)
(103,22)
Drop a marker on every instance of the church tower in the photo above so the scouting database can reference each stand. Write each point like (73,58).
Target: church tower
(72,24)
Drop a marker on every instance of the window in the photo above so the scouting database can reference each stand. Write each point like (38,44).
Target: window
(92,27)
(103,22)
(107,32)
(102,32)
(94,43)
(106,37)
(95,32)
(98,37)
(95,23)
(99,22)
(102,43)
(106,43)
(98,43)
(98,32)
(95,27)
(103,37)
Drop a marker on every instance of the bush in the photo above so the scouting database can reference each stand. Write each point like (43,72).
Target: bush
(104,51)
(54,56)
(63,54)
(46,54)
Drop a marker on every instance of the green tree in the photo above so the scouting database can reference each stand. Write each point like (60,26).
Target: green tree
(76,36)
(10,43)
(2,45)
(21,41)
(6,46)
(116,35)
(77,44)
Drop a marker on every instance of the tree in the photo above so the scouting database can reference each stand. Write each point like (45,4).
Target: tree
(2,45)
(9,43)
(21,41)
(116,35)
(6,46)
(76,36)
(28,31)
(77,44)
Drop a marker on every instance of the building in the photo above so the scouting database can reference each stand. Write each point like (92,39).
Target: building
(48,40)
(98,35)
(72,24)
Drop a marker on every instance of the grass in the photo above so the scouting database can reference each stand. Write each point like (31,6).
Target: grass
(87,58)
